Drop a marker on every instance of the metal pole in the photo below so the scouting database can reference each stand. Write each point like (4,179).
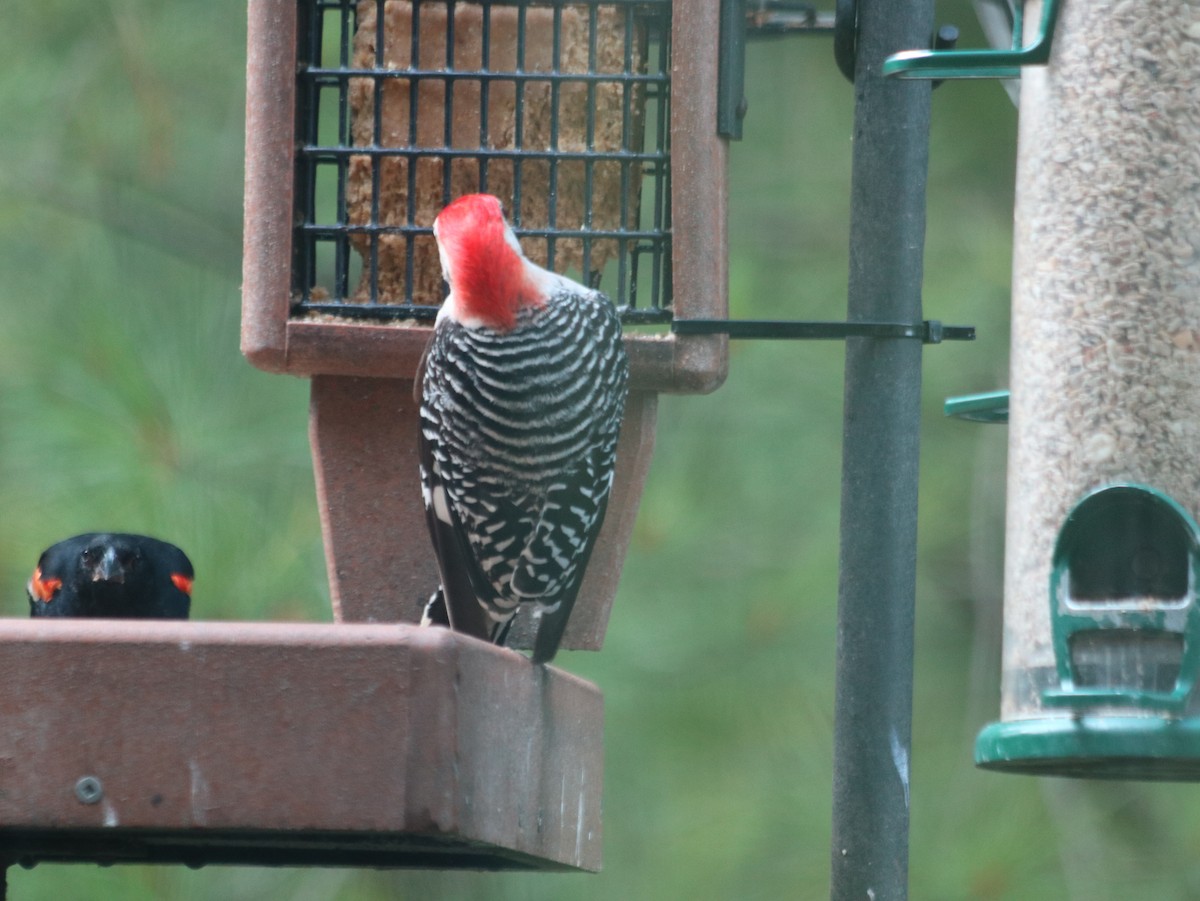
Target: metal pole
(877,584)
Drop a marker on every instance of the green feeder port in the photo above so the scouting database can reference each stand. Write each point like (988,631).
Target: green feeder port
(1126,642)
(990,406)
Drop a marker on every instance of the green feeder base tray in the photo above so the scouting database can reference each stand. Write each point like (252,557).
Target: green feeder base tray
(1094,747)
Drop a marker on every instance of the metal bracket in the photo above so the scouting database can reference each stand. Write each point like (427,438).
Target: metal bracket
(845,38)
(930,331)
(990,406)
(945,64)
(744,19)
(731,70)
(781,18)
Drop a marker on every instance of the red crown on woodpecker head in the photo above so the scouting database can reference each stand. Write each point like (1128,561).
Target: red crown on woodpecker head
(488,278)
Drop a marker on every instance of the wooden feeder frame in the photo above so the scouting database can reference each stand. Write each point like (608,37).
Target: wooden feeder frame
(370,742)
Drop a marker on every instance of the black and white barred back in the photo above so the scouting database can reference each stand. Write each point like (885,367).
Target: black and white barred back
(517,447)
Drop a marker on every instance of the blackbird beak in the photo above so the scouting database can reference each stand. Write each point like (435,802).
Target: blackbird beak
(109,569)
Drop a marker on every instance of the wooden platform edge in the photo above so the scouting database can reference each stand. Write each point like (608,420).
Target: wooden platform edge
(300,744)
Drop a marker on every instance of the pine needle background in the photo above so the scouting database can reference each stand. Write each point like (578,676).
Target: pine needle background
(124,404)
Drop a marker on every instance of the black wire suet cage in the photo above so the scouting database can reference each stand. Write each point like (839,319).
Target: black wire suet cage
(560,109)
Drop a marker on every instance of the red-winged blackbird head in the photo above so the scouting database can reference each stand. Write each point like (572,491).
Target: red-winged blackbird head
(112,575)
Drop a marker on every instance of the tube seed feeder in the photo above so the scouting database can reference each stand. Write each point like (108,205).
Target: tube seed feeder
(1102,633)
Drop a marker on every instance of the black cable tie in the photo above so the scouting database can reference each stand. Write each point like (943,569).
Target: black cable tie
(930,331)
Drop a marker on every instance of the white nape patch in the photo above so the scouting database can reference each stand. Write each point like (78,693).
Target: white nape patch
(440,508)
(450,309)
(110,814)
(442,258)
(547,282)
(550,284)
(510,238)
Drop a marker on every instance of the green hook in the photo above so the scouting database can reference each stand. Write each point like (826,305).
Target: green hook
(943,64)
(991,406)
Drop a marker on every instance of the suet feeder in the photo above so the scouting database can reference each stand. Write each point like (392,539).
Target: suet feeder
(1102,634)
(596,125)
(372,741)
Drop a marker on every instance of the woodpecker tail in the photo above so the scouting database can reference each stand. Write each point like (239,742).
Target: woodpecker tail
(435,612)
(550,630)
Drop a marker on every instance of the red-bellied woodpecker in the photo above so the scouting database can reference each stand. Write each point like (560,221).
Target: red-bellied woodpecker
(522,390)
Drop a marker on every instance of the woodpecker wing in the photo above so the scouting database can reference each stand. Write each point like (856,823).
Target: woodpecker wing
(466,591)
(554,561)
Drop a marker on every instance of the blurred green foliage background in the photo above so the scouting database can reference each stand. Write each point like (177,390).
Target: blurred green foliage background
(124,404)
